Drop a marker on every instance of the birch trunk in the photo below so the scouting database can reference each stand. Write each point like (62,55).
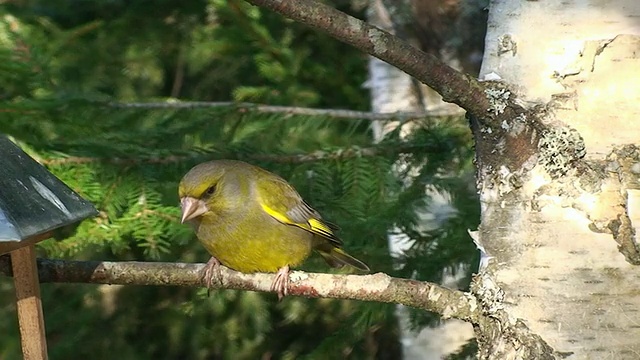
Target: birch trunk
(562,231)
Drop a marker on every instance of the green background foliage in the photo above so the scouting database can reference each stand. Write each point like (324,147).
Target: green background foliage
(69,68)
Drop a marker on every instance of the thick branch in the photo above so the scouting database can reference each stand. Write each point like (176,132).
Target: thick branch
(454,86)
(487,319)
(377,287)
(291,110)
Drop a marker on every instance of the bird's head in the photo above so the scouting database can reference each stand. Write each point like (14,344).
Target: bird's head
(198,190)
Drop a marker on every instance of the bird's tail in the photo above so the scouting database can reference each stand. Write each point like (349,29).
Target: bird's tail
(337,257)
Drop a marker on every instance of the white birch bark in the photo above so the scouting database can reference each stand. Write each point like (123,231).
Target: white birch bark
(557,238)
(391,89)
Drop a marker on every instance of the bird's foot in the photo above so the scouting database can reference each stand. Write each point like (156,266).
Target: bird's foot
(280,283)
(212,270)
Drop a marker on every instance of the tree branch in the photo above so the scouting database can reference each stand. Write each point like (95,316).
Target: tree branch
(376,287)
(289,110)
(454,86)
(319,155)
(479,307)
(497,116)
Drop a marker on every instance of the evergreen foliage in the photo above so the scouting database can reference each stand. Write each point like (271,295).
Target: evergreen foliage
(65,67)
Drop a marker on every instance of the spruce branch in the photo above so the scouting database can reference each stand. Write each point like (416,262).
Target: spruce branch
(345,153)
(77,160)
(319,155)
(376,287)
(289,110)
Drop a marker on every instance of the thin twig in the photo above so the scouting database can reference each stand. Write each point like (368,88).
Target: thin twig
(76,160)
(346,153)
(319,155)
(290,110)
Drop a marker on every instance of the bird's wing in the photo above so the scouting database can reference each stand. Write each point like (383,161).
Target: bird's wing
(278,199)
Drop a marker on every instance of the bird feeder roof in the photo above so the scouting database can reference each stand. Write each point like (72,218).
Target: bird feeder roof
(32,200)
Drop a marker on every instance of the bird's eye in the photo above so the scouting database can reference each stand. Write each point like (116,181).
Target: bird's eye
(210,190)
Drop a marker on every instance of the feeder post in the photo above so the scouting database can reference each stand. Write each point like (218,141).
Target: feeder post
(29,304)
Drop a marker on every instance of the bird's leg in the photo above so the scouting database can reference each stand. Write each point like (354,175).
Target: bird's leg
(280,283)
(211,270)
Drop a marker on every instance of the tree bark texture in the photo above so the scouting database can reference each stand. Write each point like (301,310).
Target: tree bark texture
(375,287)
(562,229)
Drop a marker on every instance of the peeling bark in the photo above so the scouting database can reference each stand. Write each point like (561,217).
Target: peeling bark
(562,234)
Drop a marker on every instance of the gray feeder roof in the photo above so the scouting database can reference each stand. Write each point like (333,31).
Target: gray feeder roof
(32,200)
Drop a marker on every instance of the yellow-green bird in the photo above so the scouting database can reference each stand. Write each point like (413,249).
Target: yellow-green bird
(252,220)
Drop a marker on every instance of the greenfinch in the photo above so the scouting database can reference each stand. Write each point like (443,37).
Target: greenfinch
(252,220)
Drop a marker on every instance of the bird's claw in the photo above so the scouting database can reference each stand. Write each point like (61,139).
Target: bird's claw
(212,270)
(280,283)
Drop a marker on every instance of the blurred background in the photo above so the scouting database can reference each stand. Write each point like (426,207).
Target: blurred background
(98,92)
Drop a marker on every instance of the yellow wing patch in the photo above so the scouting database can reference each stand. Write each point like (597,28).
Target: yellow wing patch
(277,215)
(320,228)
(285,205)
(312,225)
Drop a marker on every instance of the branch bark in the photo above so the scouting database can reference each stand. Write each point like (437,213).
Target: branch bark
(454,86)
(319,155)
(292,110)
(376,287)
(477,307)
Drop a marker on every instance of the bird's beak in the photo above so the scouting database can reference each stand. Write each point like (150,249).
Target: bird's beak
(192,208)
